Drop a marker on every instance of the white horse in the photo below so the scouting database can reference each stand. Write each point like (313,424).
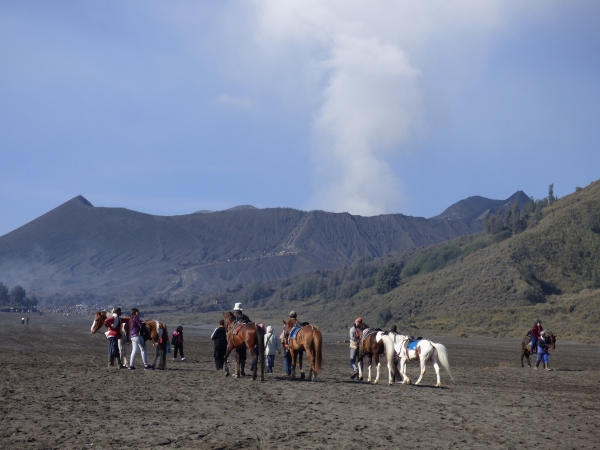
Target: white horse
(424,351)
(381,340)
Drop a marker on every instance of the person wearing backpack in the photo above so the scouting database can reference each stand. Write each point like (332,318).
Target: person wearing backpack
(272,345)
(137,340)
(177,343)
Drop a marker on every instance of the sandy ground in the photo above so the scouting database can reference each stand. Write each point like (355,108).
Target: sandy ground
(57,393)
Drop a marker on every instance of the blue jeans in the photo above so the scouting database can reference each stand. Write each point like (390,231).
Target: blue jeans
(533,342)
(270,360)
(287,363)
(540,356)
(353,359)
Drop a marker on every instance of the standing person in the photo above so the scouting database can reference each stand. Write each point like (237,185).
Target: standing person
(27,320)
(272,345)
(535,334)
(113,323)
(355,335)
(137,340)
(542,351)
(22,320)
(219,338)
(178,342)
(287,357)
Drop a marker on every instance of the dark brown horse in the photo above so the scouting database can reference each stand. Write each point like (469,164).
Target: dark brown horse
(308,339)
(248,336)
(526,349)
(371,346)
(158,334)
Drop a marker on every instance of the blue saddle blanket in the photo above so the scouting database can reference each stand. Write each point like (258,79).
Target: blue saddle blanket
(413,345)
(294,332)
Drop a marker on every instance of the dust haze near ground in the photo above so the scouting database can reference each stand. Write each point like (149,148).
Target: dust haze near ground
(57,393)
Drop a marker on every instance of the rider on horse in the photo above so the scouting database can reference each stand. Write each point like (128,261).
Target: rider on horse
(240,317)
(535,334)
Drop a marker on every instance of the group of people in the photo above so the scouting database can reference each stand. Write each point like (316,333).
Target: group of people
(272,344)
(138,341)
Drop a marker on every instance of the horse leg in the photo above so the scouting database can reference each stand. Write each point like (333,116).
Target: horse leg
(436,366)
(405,379)
(255,361)
(422,361)
(359,362)
(311,359)
(378,364)
(302,375)
(293,355)
(227,352)
(369,370)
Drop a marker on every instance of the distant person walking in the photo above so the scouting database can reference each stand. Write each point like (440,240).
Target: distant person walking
(272,345)
(27,320)
(177,343)
(219,338)
(137,340)
(22,320)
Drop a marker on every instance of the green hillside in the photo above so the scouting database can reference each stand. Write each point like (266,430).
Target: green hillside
(471,285)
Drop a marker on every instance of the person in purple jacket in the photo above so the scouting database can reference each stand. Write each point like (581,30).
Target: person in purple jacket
(137,341)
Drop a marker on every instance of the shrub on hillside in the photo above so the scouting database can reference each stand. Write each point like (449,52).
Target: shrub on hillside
(387,278)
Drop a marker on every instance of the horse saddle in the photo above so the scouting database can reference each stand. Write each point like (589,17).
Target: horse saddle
(413,342)
(294,331)
(369,331)
(237,328)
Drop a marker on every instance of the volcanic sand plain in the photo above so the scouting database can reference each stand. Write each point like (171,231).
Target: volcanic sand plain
(57,392)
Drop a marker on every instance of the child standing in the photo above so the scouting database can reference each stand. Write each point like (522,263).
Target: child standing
(178,342)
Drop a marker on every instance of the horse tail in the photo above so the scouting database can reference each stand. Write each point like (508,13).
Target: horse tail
(317,341)
(442,355)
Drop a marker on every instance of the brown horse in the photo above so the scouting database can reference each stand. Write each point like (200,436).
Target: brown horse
(308,339)
(248,335)
(158,334)
(373,346)
(526,349)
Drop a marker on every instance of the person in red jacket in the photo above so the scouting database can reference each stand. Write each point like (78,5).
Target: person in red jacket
(113,323)
(535,334)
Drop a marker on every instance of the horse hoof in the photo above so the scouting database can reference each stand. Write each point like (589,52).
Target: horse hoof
(227,374)
(438,385)
(376,382)
(302,376)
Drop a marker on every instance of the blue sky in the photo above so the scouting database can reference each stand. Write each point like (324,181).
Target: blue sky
(385,107)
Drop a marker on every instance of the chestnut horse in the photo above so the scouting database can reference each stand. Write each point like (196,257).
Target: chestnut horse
(376,344)
(526,349)
(158,335)
(247,336)
(308,339)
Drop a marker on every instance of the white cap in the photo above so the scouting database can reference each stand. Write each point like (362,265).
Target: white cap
(269,329)
(238,307)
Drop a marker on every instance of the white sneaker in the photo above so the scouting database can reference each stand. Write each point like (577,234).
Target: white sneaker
(183,359)
(174,359)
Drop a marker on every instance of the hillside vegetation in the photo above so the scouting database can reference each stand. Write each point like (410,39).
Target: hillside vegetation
(470,285)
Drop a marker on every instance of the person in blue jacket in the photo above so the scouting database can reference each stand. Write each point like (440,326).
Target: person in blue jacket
(542,351)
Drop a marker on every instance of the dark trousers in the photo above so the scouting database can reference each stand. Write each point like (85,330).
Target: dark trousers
(220,351)
(180,348)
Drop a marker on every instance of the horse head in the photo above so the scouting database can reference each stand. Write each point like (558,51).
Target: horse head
(99,319)
(552,341)
(288,327)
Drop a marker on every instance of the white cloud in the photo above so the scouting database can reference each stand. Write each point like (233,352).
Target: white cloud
(367,58)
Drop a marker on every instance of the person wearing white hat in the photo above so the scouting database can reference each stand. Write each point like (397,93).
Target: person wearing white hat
(238,312)
(240,318)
